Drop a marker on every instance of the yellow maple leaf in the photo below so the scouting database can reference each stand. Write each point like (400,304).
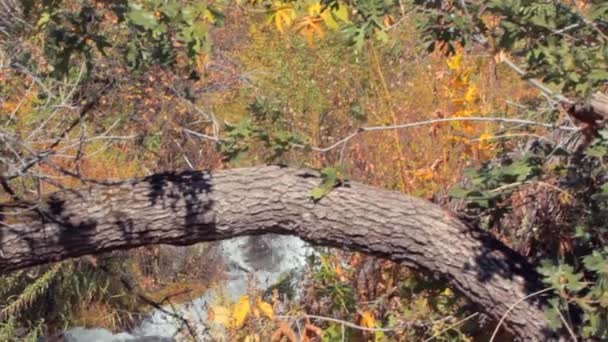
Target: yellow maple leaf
(266,308)
(241,311)
(367,319)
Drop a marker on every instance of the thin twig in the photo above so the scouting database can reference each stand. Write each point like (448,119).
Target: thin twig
(210,115)
(570,331)
(201,135)
(515,135)
(588,22)
(513,307)
(539,183)
(451,327)
(339,321)
(435,121)
(536,83)
(16,109)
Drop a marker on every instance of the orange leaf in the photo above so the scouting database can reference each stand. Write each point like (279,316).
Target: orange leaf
(367,319)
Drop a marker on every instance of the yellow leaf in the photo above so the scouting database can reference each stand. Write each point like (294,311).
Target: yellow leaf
(565,197)
(465,112)
(241,311)
(424,174)
(340,272)
(485,142)
(329,20)
(368,320)
(454,62)
(341,13)
(471,95)
(330,17)
(266,308)
(484,137)
(421,306)
(202,60)
(315,9)
(283,16)
(209,16)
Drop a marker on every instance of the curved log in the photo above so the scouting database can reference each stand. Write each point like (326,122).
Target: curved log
(190,207)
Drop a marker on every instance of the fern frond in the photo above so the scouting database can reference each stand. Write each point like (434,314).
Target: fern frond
(9,282)
(31,292)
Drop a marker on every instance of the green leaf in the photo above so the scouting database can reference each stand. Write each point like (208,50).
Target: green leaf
(341,13)
(171,9)
(199,30)
(459,192)
(597,151)
(143,18)
(331,177)
(552,315)
(44,19)
(381,36)
(561,277)
(318,192)
(358,112)
(602,195)
(581,232)
(516,172)
(596,262)
(597,11)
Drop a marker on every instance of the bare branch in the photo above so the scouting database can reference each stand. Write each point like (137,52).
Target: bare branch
(521,300)
(435,121)
(536,83)
(339,321)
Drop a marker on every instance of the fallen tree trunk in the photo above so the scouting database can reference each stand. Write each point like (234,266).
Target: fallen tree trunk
(190,207)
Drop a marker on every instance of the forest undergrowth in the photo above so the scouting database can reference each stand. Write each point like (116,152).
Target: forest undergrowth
(283,88)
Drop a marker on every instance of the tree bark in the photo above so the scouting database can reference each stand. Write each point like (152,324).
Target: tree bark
(190,207)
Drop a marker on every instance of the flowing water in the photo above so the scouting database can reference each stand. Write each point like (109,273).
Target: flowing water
(253,262)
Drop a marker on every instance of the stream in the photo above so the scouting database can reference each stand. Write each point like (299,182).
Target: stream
(252,262)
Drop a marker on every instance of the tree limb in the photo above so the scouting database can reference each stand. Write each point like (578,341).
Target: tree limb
(190,207)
